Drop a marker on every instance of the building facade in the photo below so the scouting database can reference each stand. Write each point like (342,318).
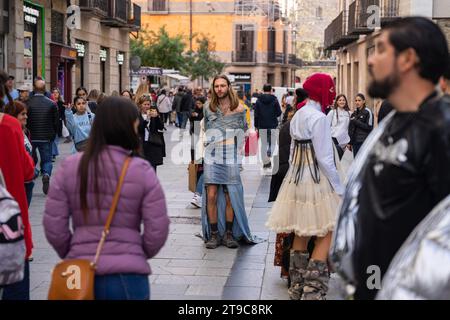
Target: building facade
(310,19)
(252,38)
(353,32)
(94,55)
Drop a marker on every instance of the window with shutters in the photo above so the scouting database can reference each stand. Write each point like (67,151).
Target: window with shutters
(245,37)
(158,5)
(57,27)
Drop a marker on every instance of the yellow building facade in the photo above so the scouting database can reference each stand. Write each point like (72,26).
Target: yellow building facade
(254,41)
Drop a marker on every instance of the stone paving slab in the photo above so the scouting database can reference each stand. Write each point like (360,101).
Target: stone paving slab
(184,269)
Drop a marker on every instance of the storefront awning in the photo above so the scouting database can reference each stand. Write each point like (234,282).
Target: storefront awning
(177,77)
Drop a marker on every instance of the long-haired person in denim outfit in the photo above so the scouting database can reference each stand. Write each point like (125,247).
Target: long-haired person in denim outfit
(224,219)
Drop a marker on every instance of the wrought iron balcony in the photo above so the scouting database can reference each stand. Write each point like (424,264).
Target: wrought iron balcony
(358,16)
(293,60)
(390,10)
(134,21)
(336,35)
(118,14)
(275,57)
(244,56)
(99,8)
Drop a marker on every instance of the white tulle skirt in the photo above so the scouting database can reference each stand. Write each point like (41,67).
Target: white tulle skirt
(306,207)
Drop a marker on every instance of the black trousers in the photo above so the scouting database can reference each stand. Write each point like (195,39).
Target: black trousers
(338,148)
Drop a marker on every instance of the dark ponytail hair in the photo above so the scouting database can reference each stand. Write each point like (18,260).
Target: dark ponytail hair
(360,95)
(114,125)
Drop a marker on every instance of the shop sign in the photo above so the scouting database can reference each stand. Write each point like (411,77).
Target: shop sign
(149,71)
(81,49)
(120,58)
(241,77)
(103,55)
(30,14)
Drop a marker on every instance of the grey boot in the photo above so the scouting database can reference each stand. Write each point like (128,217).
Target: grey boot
(316,281)
(214,240)
(298,261)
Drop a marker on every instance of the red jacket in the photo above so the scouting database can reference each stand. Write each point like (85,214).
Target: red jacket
(17,167)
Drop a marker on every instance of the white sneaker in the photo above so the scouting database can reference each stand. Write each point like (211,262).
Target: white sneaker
(197,200)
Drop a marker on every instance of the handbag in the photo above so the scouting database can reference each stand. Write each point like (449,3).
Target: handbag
(251,144)
(73,279)
(155,139)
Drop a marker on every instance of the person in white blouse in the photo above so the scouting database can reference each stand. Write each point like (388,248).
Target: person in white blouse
(339,118)
(308,198)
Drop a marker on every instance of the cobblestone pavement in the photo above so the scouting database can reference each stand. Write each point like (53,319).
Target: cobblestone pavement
(184,269)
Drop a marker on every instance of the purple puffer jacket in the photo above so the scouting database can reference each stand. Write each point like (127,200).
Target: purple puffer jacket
(141,202)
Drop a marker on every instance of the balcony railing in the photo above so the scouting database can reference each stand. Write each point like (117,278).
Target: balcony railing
(358,17)
(134,20)
(390,10)
(118,14)
(275,57)
(293,60)
(244,56)
(336,35)
(97,7)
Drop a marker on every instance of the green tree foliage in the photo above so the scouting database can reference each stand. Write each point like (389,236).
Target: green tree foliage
(159,49)
(163,51)
(202,64)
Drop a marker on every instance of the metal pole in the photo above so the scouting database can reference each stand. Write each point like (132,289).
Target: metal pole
(190,25)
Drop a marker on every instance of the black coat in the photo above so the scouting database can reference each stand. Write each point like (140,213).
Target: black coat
(284,142)
(43,118)
(62,117)
(267,111)
(152,153)
(361,124)
(187,103)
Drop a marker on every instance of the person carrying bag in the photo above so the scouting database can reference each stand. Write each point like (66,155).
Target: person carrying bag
(73,279)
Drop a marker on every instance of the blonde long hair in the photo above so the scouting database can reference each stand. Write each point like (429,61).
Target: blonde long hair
(141,90)
(214,103)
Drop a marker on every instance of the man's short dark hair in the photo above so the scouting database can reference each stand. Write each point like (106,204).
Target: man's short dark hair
(11,77)
(427,39)
(267,88)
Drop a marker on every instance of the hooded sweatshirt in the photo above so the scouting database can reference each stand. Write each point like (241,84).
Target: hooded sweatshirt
(267,111)
(79,125)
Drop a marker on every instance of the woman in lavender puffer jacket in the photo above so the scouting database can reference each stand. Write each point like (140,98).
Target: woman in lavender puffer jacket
(82,191)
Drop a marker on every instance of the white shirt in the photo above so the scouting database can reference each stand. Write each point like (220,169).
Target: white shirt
(310,123)
(163,103)
(339,125)
(289,100)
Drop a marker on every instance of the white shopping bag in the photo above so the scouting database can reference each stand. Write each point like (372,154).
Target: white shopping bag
(65,132)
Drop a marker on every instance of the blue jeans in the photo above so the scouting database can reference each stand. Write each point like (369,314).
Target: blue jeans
(29,191)
(200,185)
(184,119)
(55,151)
(19,290)
(122,286)
(45,153)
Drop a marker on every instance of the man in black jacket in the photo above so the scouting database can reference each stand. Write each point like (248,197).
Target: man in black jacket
(405,172)
(186,107)
(43,124)
(267,111)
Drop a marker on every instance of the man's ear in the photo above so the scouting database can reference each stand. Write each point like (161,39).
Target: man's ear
(408,60)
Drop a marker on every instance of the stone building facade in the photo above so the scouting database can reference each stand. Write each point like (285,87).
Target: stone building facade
(353,43)
(252,38)
(95,56)
(310,18)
